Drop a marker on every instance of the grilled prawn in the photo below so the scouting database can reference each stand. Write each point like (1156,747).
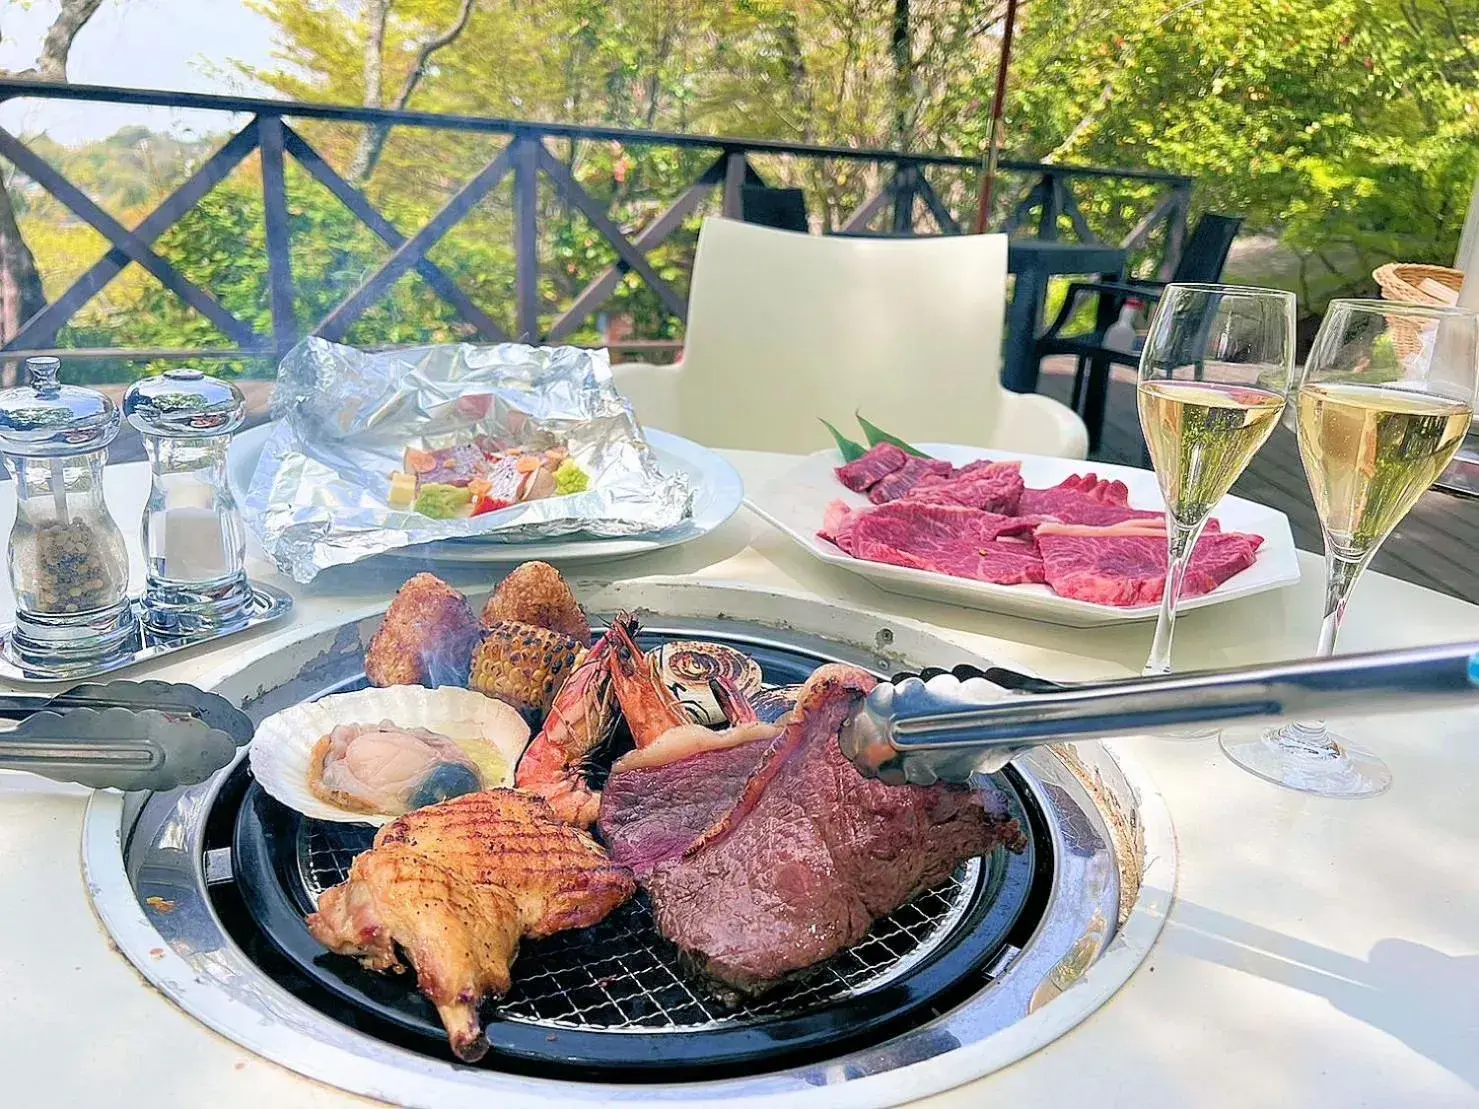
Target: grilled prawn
(580,719)
(650,707)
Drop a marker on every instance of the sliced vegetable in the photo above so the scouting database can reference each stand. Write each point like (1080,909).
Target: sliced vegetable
(442,502)
(849,450)
(483,503)
(570,478)
(419,462)
(877,435)
(402,490)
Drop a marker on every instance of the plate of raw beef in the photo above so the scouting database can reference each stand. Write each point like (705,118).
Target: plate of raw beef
(1077,543)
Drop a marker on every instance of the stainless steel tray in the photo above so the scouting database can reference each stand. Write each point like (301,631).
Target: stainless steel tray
(267,604)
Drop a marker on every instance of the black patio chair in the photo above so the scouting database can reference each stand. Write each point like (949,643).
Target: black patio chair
(1202,259)
(781,208)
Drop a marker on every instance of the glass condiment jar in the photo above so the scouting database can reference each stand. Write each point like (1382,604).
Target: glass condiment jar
(68,564)
(194,542)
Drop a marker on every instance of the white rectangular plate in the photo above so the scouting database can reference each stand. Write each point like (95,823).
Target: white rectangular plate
(795,503)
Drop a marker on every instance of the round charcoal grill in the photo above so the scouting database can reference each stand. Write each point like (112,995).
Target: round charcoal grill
(615,1000)
(205,890)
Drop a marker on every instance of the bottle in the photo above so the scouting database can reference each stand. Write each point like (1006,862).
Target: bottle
(194,542)
(1120,335)
(68,564)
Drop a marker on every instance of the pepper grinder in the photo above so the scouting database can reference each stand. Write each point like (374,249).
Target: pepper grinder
(194,542)
(68,564)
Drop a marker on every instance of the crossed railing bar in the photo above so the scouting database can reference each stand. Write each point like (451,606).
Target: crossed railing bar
(525,157)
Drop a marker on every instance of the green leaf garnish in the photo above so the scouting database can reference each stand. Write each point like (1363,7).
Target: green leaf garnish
(877,435)
(849,450)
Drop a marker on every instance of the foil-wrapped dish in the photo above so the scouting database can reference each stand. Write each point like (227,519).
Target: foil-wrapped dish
(505,443)
(761,851)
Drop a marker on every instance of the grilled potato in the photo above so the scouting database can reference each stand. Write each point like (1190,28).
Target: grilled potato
(426,638)
(535,593)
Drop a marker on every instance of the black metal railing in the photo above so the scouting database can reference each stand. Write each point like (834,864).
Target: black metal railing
(1048,207)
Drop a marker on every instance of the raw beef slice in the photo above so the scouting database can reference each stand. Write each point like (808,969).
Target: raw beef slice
(896,484)
(1129,570)
(947,539)
(994,487)
(863,473)
(1084,499)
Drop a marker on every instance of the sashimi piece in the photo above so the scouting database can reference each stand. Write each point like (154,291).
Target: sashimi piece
(896,484)
(863,473)
(1126,570)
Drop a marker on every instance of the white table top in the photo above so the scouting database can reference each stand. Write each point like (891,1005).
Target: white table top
(1318,952)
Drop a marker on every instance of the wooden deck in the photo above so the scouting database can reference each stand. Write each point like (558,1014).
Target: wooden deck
(1437,546)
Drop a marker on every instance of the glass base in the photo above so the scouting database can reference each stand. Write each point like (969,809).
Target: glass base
(44,639)
(1331,766)
(180,608)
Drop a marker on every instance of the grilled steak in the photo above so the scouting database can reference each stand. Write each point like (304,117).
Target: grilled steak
(765,858)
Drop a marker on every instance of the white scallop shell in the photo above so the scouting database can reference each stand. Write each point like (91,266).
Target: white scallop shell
(282,743)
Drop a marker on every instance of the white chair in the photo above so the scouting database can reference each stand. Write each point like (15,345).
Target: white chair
(784,328)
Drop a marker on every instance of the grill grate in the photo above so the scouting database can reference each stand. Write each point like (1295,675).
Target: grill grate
(621,975)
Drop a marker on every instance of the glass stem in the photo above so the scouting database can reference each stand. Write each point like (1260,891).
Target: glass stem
(1181,540)
(1311,737)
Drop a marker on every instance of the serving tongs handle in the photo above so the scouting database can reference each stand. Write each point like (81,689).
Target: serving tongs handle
(125,735)
(952,725)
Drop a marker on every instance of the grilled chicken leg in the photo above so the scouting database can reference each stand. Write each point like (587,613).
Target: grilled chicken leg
(461,937)
(455,886)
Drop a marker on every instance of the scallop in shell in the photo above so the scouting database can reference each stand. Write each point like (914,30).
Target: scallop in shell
(686,667)
(491,734)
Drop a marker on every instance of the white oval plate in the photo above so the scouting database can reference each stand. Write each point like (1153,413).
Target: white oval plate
(718,493)
(795,503)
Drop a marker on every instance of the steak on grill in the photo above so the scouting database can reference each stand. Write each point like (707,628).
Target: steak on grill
(768,857)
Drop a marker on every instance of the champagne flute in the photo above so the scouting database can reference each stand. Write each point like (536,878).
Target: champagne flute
(1214,374)
(1383,405)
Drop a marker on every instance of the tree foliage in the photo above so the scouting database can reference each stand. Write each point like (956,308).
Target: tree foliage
(1345,128)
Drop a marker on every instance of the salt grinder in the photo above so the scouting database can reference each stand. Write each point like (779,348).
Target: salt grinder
(194,543)
(68,564)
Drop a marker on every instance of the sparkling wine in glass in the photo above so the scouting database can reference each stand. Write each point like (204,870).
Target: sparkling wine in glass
(1383,405)
(1213,378)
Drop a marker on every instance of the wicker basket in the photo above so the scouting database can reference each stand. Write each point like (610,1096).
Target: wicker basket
(1402,281)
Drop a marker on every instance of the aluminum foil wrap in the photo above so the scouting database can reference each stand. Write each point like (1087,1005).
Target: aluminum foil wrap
(318,497)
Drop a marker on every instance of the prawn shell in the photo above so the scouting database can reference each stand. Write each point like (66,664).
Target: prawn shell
(280,749)
(686,666)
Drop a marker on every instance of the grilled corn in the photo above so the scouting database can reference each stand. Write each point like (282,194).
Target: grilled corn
(523,665)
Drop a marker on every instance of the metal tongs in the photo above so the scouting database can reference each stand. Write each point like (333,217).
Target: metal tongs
(949,726)
(125,735)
